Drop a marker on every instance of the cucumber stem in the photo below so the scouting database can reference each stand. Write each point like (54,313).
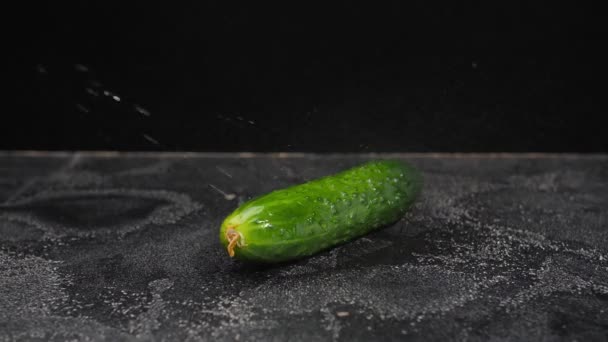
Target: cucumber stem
(233,239)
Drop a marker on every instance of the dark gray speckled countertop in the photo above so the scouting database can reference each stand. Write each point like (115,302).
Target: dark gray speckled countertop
(106,246)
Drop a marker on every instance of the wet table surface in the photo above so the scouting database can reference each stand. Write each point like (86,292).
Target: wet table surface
(105,246)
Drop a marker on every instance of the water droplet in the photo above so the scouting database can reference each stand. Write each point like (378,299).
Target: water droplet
(92,92)
(81,68)
(141,110)
(150,139)
(41,69)
(82,108)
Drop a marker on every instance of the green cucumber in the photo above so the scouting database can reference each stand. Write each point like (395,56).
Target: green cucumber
(304,219)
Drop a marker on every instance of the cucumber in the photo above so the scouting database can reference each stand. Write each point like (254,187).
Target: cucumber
(301,220)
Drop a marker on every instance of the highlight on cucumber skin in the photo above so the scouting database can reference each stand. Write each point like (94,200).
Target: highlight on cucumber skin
(302,220)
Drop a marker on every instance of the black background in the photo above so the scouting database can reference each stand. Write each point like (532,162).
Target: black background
(229,76)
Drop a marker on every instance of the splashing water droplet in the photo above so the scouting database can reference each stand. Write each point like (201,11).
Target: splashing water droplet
(81,68)
(141,110)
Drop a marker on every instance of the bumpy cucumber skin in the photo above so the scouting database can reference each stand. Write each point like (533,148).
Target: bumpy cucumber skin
(304,219)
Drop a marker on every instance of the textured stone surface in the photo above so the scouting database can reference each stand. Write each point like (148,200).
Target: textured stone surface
(125,247)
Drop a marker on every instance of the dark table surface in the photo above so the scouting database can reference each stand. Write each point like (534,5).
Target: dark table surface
(106,246)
